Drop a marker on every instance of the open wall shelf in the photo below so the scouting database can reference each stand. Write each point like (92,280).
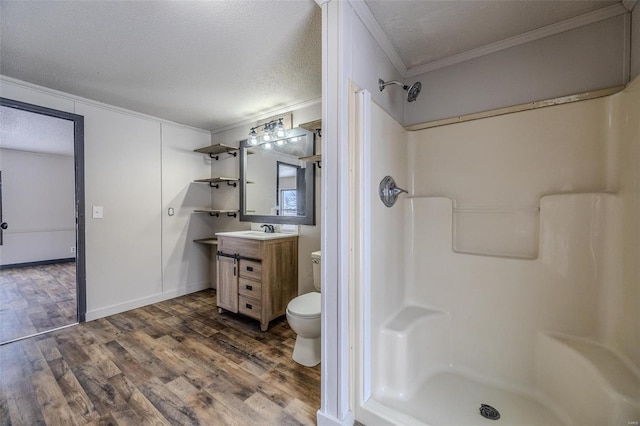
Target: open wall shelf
(215,150)
(316,159)
(215,181)
(217,213)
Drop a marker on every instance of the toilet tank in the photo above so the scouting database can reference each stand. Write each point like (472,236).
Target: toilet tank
(315,260)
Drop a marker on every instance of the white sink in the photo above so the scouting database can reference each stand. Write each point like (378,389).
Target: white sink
(256,235)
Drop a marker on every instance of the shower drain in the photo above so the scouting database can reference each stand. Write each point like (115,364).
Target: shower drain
(489,412)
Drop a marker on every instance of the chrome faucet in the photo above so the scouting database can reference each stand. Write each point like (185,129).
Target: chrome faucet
(269,229)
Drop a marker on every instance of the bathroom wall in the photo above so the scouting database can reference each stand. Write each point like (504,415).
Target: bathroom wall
(619,311)
(387,155)
(580,60)
(578,162)
(228,198)
(496,170)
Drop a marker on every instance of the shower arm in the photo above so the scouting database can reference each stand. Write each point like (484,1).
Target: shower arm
(382,84)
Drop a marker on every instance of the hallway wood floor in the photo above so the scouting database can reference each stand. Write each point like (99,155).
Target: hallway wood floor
(177,362)
(36,298)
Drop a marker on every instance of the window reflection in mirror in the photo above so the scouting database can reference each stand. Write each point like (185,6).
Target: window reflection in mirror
(276,185)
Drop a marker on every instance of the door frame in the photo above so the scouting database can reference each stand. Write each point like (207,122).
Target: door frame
(78,155)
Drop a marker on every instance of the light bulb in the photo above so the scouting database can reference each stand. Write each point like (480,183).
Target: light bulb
(280,142)
(253,138)
(280,129)
(268,145)
(266,137)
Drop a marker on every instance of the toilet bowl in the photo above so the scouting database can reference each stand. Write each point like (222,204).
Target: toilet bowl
(303,315)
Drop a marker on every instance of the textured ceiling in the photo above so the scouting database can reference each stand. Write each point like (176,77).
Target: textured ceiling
(425,31)
(206,64)
(211,64)
(27,131)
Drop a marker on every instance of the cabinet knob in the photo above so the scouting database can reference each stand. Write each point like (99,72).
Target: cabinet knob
(250,268)
(248,287)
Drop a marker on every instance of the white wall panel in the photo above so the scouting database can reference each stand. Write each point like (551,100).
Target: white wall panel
(122,174)
(185,263)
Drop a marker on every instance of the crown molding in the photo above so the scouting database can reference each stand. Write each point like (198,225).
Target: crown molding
(559,27)
(79,99)
(252,121)
(364,13)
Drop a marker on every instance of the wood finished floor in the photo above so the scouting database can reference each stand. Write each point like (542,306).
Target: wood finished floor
(36,299)
(177,362)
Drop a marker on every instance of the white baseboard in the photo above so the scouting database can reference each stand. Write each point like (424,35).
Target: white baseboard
(326,420)
(144,301)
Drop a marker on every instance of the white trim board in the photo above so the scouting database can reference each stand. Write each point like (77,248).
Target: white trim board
(517,108)
(145,301)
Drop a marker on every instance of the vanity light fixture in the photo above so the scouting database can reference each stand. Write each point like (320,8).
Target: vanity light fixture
(271,130)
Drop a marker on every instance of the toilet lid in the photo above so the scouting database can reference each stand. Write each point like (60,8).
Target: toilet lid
(305,306)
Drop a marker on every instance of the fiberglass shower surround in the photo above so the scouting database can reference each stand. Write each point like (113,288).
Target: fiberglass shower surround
(509,276)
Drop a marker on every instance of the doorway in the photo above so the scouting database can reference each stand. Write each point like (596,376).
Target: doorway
(42,224)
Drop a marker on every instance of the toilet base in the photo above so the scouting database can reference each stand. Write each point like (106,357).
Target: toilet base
(307,351)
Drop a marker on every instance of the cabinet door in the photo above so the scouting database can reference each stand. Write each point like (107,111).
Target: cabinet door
(227,292)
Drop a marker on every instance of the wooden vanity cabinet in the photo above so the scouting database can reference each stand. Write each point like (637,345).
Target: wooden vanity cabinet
(257,278)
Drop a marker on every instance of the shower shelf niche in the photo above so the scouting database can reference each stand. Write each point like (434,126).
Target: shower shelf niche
(501,232)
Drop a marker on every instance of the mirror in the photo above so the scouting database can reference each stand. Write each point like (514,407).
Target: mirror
(276,185)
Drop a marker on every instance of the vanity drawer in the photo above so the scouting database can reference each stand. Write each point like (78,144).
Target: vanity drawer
(250,288)
(242,246)
(249,307)
(250,269)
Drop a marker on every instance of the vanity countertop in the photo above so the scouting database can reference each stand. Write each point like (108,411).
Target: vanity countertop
(256,235)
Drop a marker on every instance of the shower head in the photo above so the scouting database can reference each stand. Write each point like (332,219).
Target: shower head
(412,91)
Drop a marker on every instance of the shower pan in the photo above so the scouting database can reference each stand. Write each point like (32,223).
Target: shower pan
(507,294)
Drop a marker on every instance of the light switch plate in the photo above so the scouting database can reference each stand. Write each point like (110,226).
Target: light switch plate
(98,212)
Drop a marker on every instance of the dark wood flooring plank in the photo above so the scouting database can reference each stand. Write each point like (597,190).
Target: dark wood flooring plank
(176,362)
(36,299)
(79,403)
(172,408)
(145,411)
(51,400)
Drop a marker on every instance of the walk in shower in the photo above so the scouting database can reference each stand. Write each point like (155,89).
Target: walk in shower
(506,284)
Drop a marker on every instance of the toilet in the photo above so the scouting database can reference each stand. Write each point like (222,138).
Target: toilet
(303,315)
